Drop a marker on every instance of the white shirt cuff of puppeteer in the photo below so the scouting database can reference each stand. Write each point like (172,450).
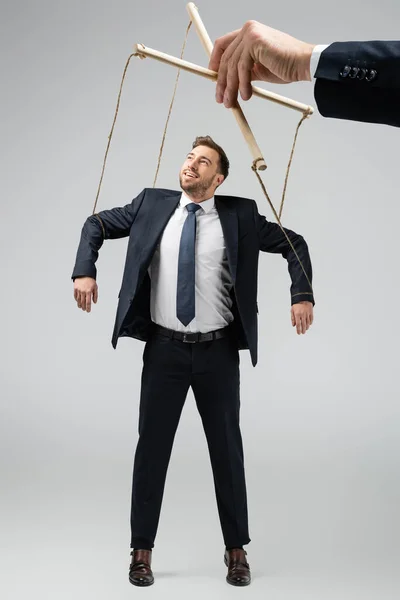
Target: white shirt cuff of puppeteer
(316,53)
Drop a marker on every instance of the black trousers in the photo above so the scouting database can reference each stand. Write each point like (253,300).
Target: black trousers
(212,370)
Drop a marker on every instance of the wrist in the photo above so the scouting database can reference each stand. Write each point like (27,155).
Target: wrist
(305,62)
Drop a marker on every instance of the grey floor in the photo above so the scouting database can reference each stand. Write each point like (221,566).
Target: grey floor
(67,536)
(100,572)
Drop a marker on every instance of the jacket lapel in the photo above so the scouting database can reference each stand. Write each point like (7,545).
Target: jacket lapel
(229,222)
(158,214)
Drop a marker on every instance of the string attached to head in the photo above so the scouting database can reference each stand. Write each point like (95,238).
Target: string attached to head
(171,107)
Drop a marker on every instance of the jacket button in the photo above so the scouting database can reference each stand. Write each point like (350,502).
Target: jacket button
(371,75)
(362,73)
(354,72)
(345,71)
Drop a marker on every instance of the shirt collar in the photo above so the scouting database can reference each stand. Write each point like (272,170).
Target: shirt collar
(206,205)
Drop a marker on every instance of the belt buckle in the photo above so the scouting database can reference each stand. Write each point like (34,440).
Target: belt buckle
(184,339)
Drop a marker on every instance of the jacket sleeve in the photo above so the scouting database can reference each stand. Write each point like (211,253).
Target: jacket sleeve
(272,239)
(106,225)
(360,81)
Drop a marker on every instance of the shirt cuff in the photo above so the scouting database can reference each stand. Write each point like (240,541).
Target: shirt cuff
(316,53)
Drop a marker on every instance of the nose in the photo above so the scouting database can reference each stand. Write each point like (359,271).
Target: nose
(192,164)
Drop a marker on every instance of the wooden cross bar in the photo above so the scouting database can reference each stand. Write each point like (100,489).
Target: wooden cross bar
(258,161)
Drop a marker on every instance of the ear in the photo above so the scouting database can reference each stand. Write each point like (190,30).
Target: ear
(220,179)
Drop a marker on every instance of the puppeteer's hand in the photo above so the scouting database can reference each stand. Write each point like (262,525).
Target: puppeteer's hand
(257,52)
(85,290)
(302,316)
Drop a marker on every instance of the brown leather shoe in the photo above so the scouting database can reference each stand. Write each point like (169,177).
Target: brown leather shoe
(140,572)
(238,567)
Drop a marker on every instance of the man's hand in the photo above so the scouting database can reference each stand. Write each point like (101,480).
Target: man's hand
(302,316)
(85,289)
(257,52)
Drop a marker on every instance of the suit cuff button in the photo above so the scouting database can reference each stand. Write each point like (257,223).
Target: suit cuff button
(345,71)
(371,75)
(354,72)
(362,73)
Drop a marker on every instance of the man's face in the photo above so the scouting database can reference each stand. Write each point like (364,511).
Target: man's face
(199,174)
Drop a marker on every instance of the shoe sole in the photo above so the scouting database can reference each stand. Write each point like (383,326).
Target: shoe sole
(143,584)
(238,584)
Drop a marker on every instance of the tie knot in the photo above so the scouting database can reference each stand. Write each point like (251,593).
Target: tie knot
(192,208)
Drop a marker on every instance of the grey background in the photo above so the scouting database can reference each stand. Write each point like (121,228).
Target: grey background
(320,413)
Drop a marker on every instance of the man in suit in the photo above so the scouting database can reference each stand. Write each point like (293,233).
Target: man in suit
(359,81)
(189,291)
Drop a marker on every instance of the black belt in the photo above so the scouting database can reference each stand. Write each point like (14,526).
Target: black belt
(191,338)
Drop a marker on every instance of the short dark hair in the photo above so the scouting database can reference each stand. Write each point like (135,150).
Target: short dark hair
(206,140)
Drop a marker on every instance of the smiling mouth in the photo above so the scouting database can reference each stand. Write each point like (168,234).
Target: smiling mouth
(191,175)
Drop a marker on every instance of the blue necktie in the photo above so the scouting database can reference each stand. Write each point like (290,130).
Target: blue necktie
(185,294)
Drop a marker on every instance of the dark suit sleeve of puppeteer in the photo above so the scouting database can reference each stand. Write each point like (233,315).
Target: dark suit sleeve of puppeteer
(360,81)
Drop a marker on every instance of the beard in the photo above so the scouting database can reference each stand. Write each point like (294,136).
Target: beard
(197,187)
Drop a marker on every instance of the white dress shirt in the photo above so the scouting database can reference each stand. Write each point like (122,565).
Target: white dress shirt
(316,53)
(213,281)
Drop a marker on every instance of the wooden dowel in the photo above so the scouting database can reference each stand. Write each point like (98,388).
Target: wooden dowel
(200,28)
(237,110)
(145,51)
(208,46)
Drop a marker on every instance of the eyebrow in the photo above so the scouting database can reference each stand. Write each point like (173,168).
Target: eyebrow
(206,157)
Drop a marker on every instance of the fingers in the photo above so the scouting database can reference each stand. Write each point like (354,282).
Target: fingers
(227,68)
(232,80)
(245,72)
(302,320)
(88,301)
(279,58)
(78,298)
(299,325)
(221,84)
(220,46)
(84,299)
(85,290)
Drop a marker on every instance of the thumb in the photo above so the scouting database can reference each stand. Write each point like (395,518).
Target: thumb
(95,294)
(293,317)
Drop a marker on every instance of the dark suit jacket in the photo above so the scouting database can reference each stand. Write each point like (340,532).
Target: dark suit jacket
(360,81)
(245,233)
